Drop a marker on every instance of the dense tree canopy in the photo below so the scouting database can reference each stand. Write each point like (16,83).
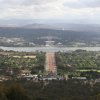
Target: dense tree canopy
(55,90)
(77,60)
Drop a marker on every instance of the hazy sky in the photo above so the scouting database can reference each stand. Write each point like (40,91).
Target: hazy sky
(70,10)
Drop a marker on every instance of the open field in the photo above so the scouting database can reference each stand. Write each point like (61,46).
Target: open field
(85,70)
(25,56)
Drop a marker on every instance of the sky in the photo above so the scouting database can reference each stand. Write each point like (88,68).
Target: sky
(69,11)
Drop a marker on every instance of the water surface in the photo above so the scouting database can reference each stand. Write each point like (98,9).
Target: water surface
(49,49)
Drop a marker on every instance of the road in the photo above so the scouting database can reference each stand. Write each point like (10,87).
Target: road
(50,65)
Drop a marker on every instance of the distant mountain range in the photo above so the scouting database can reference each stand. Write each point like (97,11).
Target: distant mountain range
(40,26)
(57,26)
(62,26)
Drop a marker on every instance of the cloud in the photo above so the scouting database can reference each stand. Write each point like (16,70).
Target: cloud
(50,9)
(91,3)
(32,8)
(66,3)
(83,4)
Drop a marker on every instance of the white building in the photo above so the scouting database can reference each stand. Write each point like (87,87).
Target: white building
(49,43)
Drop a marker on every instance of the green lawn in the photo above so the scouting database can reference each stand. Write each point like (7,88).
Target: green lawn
(85,70)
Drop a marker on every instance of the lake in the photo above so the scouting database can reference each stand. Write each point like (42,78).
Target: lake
(49,49)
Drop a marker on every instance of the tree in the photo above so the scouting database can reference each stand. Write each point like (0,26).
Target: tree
(16,92)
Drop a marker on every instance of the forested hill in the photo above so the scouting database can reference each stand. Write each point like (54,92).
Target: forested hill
(41,34)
